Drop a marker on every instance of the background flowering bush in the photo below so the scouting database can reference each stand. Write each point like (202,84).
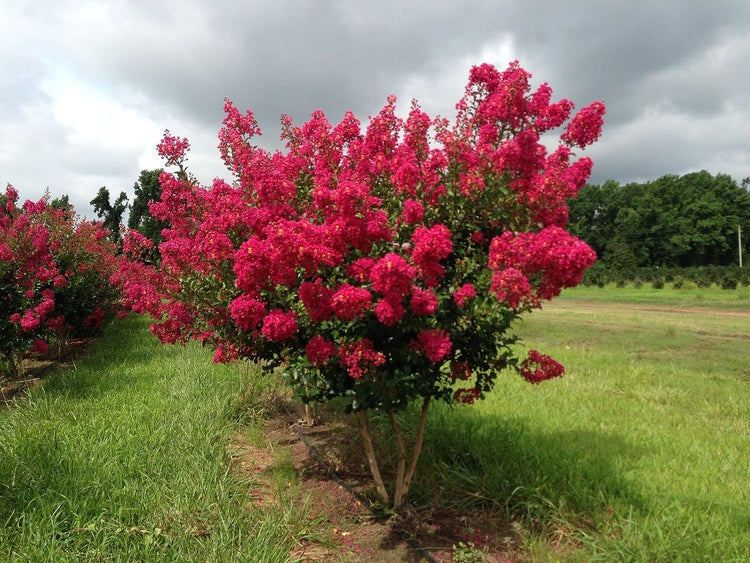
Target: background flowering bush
(381,266)
(54,277)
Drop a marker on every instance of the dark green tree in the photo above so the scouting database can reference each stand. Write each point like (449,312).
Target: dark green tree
(61,202)
(683,221)
(110,213)
(147,189)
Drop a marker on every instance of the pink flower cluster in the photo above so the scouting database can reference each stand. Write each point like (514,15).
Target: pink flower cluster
(371,250)
(431,246)
(279,325)
(464,293)
(552,255)
(539,367)
(173,149)
(54,270)
(319,350)
(350,302)
(586,127)
(360,358)
(466,396)
(435,344)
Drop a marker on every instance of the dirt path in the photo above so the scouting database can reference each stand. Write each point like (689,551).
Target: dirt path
(677,309)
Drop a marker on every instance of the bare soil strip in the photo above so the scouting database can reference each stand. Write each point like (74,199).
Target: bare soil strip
(568,304)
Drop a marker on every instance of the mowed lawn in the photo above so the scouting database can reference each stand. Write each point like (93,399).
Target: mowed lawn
(641,452)
(123,457)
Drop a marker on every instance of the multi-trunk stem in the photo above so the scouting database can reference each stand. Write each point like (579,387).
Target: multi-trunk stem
(404,475)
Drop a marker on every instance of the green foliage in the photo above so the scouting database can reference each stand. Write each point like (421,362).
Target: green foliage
(61,202)
(729,281)
(678,221)
(700,276)
(110,213)
(465,552)
(147,189)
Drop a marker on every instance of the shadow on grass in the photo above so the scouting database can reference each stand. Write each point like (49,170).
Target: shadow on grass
(485,479)
(473,459)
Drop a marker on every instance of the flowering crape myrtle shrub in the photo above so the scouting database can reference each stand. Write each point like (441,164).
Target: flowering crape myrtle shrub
(26,265)
(86,259)
(381,266)
(54,277)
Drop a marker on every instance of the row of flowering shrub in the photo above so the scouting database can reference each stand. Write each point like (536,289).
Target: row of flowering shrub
(54,277)
(383,266)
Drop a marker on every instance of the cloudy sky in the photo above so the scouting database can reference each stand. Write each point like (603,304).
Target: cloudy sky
(88,87)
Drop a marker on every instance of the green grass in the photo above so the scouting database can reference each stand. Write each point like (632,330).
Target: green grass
(123,458)
(640,453)
(690,295)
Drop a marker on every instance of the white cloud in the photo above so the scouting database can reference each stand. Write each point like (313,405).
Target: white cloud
(439,88)
(89,86)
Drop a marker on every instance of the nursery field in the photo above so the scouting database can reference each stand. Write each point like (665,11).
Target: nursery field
(690,295)
(640,453)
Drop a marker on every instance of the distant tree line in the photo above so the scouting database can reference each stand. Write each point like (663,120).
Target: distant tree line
(673,221)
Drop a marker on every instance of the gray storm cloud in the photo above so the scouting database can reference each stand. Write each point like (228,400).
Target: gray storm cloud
(671,73)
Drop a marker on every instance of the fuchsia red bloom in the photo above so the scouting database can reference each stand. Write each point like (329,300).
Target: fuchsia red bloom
(539,367)
(559,257)
(586,126)
(389,311)
(359,270)
(53,263)
(30,321)
(279,325)
(512,287)
(435,344)
(413,211)
(370,251)
(317,300)
(39,347)
(460,370)
(464,293)
(391,276)
(350,302)
(423,301)
(319,350)
(431,246)
(247,312)
(173,149)
(95,319)
(225,353)
(466,396)
(359,358)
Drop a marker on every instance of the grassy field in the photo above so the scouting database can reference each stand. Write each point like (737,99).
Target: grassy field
(688,296)
(640,453)
(123,458)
